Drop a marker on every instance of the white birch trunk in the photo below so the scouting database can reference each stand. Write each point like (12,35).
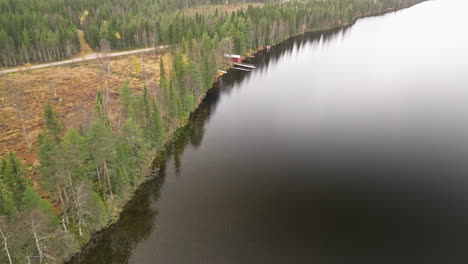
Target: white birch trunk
(108,180)
(5,244)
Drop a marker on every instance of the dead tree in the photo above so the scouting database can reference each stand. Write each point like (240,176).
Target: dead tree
(64,205)
(52,87)
(5,245)
(81,207)
(25,132)
(106,174)
(107,101)
(105,50)
(18,102)
(104,54)
(41,240)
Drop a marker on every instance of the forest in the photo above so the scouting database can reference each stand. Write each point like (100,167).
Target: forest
(46,30)
(89,172)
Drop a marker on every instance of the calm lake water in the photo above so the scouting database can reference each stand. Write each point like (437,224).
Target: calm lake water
(344,147)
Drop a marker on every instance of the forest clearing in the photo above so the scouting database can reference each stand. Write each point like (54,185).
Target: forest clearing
(24,94)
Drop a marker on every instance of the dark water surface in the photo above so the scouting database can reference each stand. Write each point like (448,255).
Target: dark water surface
(344,147)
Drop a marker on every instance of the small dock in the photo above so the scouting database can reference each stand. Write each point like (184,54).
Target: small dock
(249,66)
(241,69)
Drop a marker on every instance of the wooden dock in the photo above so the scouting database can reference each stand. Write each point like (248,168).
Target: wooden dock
(241,69)
(249,66)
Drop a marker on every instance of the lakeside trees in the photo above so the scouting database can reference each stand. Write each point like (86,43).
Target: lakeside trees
(86,174)
(26,220)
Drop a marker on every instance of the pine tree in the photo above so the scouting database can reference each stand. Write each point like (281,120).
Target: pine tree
(99,106)
(7,205)
(124,169)
(156,129)
(172,99)
(55,178)
(195,80)
(47,148)
(33,201)
(74,156)
(162,74)
(133,137)
(179,69)
(13,176)
(127,101)
(146,107)
(206,72)
(97,212)
(101,146)
(53,123)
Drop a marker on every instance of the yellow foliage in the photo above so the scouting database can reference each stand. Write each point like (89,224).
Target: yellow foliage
(117,35)
(84,16)
(136,65)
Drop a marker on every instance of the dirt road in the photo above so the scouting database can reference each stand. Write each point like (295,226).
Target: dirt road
(92,56)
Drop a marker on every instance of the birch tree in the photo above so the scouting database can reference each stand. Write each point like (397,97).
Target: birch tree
(81,208)
(41,239)
(5,236)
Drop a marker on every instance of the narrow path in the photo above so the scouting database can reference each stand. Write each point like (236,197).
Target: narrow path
(92,56)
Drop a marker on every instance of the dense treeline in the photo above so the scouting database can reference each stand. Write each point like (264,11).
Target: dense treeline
(87,173)
(45,30)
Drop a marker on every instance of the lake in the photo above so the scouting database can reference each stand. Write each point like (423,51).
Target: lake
(349,146)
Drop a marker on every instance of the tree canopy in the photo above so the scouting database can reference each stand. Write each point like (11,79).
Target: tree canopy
(46,30)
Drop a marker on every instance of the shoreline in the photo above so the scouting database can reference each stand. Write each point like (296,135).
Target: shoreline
(158,155)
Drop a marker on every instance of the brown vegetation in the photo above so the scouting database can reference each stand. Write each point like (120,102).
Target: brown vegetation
(85,49)
(23,96)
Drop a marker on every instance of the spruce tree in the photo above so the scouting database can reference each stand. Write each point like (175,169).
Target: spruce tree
(195,79)
(102,149)
(133,137)
(146,107)
(7,205)
(74,155)
(49,157)
(172,99)
(14,179)
(127,101)
(53,123)
(156,128)
(162,74)
(99,106)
